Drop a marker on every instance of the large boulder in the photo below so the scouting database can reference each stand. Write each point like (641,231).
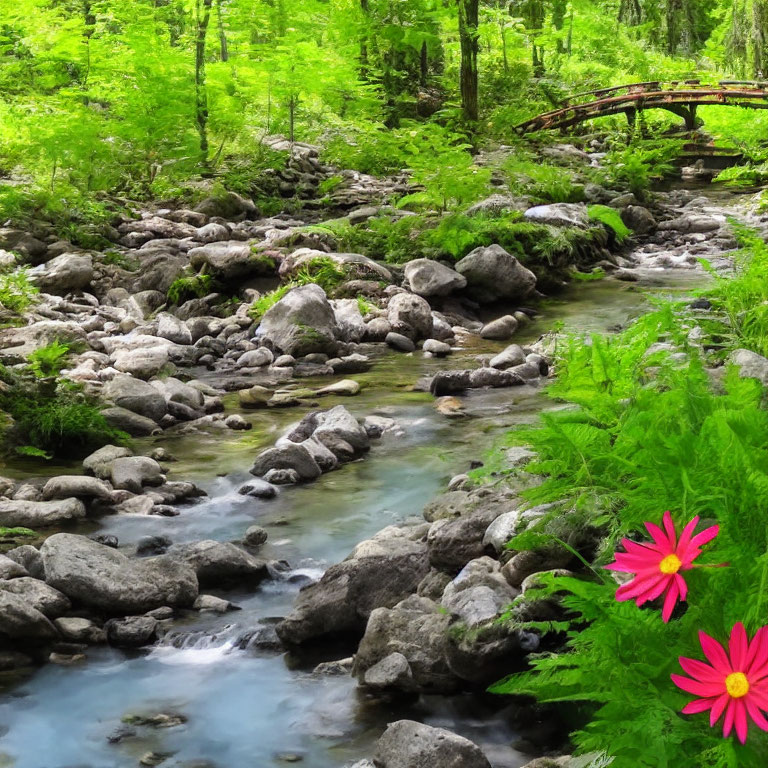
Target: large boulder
(99,463)
(559,215)
(408,744)
(494,275)
(219,563)
(230,259)
(410,315)
(37,594)
(228,205)
(338,424)
(417,629)
(640,220)
(40,514)
(65,273)
(99,577)
(379,572)
(19,620)
(453,543)
(430,278)
(300,323)
(132,473)
(137,396)
(77,486)
(143,363)
(289,456)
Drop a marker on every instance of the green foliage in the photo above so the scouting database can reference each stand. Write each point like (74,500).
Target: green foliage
(322,271)
(267,301)
(16,532)
(612,219)
(542,183)
(365,306)
(62,422)
(117,259)
(16,291)
(640,163)
(193,287)
(49,360)
(646,432)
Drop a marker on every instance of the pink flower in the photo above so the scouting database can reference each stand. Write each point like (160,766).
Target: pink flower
(735,682)
(657,565)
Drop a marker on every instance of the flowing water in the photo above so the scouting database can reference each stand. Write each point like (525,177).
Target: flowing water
(249,708)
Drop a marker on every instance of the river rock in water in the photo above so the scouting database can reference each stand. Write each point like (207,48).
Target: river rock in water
(99,577)
(493,274)
(40,514)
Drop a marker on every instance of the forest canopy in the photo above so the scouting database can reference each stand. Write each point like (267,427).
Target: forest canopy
(135,98)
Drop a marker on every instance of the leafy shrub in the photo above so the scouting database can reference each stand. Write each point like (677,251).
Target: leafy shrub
(184,288)
(117,259)
(267,301)
(542,183)
(612,219)
(49,360)
(16,291)
(61,422)
(322,271)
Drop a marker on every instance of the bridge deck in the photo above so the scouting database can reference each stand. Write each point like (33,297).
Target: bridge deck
(680,97)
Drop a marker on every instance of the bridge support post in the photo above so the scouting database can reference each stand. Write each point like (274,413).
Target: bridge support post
(690,118)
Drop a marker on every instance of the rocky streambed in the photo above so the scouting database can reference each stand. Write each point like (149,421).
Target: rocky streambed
(185,606)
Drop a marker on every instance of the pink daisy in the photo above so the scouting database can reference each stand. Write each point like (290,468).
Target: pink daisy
(657,565)
(734,683)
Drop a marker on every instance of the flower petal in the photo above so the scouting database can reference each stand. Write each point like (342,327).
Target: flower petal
(738,645)
(698,705)
(715,654)
(682,586)
(686,535)
(669,529)
(700,539)
(755,713)
(698,670)
(656,591)
(696,687)
(717,708)
(740,718)
(730,713)
(660,539)
(757,656)
(670,601)
(638,586)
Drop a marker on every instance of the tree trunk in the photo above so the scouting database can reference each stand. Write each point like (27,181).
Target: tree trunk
(468,22)
(759,43)
(559,8)
(365,8)
(203,15)
(224,47)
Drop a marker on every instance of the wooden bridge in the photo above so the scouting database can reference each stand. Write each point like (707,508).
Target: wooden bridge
(679,97)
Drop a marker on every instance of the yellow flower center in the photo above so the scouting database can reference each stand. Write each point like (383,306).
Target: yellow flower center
(670,565)
(737,685)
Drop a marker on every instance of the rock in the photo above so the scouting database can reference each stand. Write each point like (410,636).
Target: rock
(153,545)
(427,278)
(377,329)
(511,356)
(379,572)
(449,382)
(494,205)
(77,630)
(131,473)
(437,348)
(131,632)
(502,529)
(750,365)
(344,388)
(392,671)
(256,358)
(142,363)
(40,514)
(493,274)
(301,322)
(10,569)
(449,506)
(289,456)
(283,477)
(237,422)
(692,223)
(220,564)
(528,562)
(258,489)
(255,397)
(227,205)
(354,363)
(479,593)
(37,594)
(559,215)
(640,220)
(408,744)
(417,629)
(99,463)
(78,486)
(339,424)
(453,543)
(493,377)
(410,315)
(349,320)
(501,329)
(255,535)
(21,621)
(12,660)
(104,579)
(29,558)
(136,396)
(230,260)
(399,342)
(65,273)
(213,604)
(130,422)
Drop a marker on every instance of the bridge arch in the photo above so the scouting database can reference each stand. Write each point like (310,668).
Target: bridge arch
(679,97)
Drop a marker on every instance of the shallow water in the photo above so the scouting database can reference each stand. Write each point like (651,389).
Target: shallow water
(249,709)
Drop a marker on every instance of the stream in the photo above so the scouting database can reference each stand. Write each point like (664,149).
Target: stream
(247,707)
